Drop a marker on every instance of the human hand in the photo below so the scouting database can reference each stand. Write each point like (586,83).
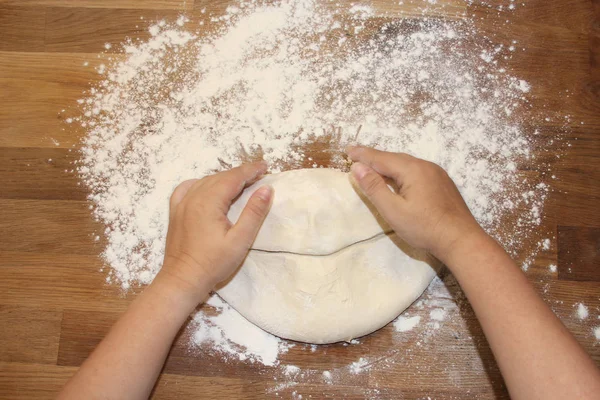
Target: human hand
(203,247)
(427,212)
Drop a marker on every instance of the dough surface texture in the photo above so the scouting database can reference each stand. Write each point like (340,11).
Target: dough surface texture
(324,268)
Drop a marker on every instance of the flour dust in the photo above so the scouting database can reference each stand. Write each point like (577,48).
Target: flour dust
(294,82)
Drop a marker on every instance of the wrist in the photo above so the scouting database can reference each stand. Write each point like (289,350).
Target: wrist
(465,240)
(182,294)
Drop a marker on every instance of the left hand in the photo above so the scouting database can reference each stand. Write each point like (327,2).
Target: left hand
(203,246)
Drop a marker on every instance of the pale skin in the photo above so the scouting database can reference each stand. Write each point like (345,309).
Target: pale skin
(538,357)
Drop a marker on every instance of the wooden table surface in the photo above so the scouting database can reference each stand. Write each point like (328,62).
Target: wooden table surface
(55,305)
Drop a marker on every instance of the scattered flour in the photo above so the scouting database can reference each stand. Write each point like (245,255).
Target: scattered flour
(232,335)
(405,324)
(582,311)
(596,332)
(293,82)
(552,268)
(359,366)
(438,314)
(545,244)
(291,370)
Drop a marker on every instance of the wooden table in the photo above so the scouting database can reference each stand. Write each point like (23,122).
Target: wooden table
(54,303)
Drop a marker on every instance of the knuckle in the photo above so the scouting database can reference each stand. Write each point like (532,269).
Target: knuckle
(256,208)
(370,184)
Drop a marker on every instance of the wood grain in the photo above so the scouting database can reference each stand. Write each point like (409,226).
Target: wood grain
(21,29)
(29,334)
(55,303)
(112,4)
(579,253)
(58,281)
(36,87)
(87,30)
(44,174)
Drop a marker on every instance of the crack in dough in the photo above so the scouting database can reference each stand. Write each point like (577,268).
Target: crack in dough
(322,255)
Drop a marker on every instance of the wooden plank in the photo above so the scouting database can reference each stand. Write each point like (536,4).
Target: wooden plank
(554,60)
(116,4)
(87,30)
(35,88)
(577,192)
(171,386)
(58,281)
(594,42)
(22,29)
(29,334)
(34,381)
(458,359)
(578,253)
(82,331)
(80,334)
(574,15)
(53,226)
(44,174)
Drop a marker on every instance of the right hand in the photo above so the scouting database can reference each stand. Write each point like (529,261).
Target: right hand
(427,212)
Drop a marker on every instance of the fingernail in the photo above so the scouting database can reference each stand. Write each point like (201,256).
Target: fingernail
(264,193)
(359,170)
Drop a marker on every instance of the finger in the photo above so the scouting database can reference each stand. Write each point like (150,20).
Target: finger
(385,163)
(254,213)
(374,187)
(178,194)
(232,182)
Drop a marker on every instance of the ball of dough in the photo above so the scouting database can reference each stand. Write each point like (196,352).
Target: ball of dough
(324,267)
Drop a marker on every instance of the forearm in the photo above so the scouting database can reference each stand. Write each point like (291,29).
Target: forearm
(127,362)
(529,342)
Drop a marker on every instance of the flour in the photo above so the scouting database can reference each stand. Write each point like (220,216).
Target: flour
(293,82)
(438,314)
(233,336)
(405,324)
(582,311)
(358,366)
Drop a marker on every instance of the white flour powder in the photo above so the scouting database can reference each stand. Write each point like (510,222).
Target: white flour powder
(582,311)
(232,335)
(405,324)
(274,80)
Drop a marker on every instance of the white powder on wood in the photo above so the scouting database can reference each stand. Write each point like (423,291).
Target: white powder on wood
(596,332)
(273,81)
(358,366)
(291,370)
(405,324)
(439,314)
(232,335)
(327,377)
(582,311)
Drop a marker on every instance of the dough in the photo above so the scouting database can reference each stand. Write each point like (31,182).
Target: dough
(323,268)
(315,211)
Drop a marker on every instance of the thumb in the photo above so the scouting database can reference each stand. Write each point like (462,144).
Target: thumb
(252,216)
(374,187)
